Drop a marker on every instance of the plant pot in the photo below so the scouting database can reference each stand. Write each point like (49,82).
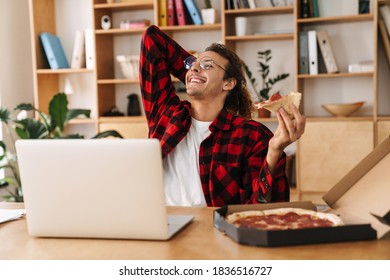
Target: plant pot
(209,16)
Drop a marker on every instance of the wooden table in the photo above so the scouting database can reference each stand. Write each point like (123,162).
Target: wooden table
(198,241)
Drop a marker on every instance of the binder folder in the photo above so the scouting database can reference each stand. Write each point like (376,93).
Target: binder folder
(313,54)
(180,12)
(78,56)
(303,53)
(53,50)
(327,52)
(163,16)
(89,48)
(193,11)
(171,12)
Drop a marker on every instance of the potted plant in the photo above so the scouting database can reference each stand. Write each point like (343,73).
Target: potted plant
(209,14)
(267,82)
(49,126)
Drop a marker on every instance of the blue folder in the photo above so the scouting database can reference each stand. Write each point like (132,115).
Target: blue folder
(193,11)
(54,51)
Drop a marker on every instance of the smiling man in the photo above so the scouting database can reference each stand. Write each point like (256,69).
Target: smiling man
(214,154)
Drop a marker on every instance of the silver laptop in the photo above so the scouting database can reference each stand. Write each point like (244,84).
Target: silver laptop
(106,188)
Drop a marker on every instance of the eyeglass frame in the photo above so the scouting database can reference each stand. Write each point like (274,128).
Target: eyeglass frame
(195,60)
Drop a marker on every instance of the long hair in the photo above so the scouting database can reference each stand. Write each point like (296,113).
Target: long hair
(238,101)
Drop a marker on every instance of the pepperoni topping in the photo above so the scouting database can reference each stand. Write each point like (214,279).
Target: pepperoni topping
(275,96)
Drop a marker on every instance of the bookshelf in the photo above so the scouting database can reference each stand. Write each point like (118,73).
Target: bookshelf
(331,146)
(47,82)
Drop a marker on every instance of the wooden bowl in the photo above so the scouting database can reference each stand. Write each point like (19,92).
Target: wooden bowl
(342,109)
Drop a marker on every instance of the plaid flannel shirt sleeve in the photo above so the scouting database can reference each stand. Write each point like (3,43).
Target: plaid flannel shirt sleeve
(160,57)
(265,187)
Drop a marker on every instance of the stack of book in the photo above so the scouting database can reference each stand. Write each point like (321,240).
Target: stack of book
(309,8)
(309,57)
(240,4)
(82,55)
(179,12)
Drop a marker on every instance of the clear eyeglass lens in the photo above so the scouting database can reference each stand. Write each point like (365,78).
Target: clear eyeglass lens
(189,62)
(205,63)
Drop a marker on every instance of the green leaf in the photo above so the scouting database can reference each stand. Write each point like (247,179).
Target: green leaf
(25,106)
(58,110)
(74,113)
(2,145)
(21,132)
(4,115)
(108,133)
(31,129)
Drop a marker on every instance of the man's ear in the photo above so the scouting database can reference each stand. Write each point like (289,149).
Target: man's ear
(229,84)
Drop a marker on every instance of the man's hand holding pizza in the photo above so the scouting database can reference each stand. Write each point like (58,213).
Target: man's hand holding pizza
(291,126)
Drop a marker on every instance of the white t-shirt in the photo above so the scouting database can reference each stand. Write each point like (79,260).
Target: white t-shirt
(181,169)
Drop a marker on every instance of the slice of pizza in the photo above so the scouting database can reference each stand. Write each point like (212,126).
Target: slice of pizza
(277,101)
(283,218)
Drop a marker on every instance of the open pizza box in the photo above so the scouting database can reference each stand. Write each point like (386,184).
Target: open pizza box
(361,199)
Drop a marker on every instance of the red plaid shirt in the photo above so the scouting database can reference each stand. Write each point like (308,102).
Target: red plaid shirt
(232,159)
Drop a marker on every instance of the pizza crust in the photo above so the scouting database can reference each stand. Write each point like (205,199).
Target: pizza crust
(284,102)
(278,220)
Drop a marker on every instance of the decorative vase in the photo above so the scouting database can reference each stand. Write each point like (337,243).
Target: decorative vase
(133,106)
(209,16)
(263,113)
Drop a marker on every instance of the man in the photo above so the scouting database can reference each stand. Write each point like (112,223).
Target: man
(213,153)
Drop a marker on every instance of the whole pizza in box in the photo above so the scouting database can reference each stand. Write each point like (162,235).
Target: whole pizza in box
(283,219)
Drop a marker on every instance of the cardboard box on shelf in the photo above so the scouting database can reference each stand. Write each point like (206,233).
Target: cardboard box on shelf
(361,199)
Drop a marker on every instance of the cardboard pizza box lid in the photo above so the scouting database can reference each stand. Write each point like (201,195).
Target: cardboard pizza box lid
(365,190)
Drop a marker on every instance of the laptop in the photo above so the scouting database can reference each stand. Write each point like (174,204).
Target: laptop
(95,188)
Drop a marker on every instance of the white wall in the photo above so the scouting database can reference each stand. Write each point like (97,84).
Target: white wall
(16,80)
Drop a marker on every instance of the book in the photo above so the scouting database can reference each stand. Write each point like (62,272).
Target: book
(78,54)
(162,13)
(171,12)
(313,54)
(326,51)
(180,12)
(315,11)
(89,48)
(53,50)
(193,10)
(134,24)
(305,11)
(229,4)
(303,53)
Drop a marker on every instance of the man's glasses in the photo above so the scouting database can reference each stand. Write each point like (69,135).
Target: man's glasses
(205,63)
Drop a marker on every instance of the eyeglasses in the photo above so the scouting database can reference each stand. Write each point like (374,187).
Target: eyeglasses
(205,63)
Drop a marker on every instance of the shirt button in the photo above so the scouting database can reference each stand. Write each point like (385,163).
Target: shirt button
(266,186)
(167,150)
(263,179)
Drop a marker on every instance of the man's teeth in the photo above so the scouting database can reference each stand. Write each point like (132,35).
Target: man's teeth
(196,80)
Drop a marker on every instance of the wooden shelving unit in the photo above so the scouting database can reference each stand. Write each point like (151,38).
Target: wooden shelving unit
(327,140)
